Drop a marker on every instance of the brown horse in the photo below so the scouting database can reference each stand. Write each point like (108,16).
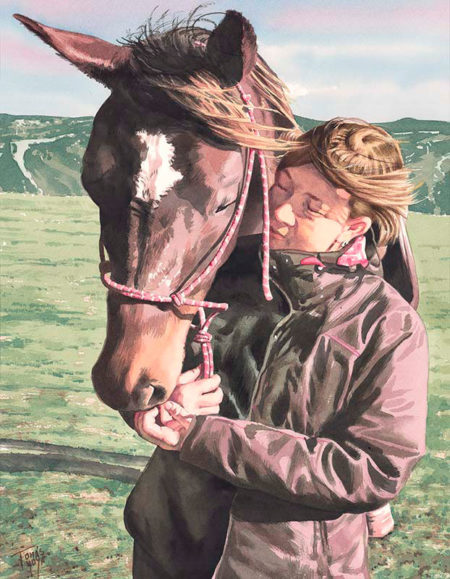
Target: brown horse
(165,164)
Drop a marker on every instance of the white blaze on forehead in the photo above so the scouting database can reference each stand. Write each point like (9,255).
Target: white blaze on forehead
(156,175)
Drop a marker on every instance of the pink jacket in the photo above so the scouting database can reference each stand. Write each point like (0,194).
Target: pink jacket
(337,423)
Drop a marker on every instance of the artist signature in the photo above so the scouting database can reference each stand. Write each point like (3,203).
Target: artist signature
(30,560)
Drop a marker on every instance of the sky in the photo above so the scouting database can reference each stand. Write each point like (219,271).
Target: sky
(379,60)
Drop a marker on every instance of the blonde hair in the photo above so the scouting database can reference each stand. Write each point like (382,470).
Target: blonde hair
(364,160)
(225,113)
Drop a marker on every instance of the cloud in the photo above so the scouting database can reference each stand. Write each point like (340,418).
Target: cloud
(29,55)
(298,90)
(374,100)
(109,19)
(376,16)
(380,49)
(78,102)
(373,80)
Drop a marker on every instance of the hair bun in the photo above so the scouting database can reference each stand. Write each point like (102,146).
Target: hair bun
(361,140)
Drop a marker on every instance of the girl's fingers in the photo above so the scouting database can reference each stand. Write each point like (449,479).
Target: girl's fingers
(171,437)
(209,384)
(179,414)
(140,416)
(176,410)
(148,429)
(190,375)
(164,416)
(174,425)
(213,398)
(149,426)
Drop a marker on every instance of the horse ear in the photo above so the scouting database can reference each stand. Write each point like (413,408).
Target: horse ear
(232,49)
(97,58)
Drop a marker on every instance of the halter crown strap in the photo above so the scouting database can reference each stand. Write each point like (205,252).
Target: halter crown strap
(266,215)
(179,298)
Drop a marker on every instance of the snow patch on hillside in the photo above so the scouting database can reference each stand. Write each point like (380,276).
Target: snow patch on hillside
(439,165)
(22,147)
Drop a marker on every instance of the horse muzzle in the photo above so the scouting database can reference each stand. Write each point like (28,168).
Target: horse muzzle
(142,395)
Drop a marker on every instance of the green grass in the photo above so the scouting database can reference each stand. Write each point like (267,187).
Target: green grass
(53,325)
(52,330)
(75,521)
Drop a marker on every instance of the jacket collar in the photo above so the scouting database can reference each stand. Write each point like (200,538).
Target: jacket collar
(302,276)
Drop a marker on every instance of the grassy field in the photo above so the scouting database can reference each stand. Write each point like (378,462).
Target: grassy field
(52,329)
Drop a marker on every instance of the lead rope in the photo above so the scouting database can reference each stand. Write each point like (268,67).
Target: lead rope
(203,337)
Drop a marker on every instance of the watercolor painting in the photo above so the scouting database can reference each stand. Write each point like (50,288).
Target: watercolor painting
(146,232)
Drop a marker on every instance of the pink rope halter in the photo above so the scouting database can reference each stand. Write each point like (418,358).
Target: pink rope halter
(179,298)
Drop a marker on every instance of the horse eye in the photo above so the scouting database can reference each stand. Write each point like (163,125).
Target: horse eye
(225,205)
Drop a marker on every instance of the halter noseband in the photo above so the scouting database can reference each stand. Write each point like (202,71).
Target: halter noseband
(179,298)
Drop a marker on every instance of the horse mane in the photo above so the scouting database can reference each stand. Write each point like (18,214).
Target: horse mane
(171,57)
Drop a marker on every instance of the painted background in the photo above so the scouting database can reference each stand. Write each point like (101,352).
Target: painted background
(385,61)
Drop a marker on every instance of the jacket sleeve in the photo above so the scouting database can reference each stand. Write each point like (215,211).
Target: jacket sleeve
(360,460)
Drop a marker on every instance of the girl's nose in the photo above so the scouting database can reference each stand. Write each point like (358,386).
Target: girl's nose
(285,214)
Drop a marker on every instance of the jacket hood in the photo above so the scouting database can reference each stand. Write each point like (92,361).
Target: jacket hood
(300,275)
(400,269)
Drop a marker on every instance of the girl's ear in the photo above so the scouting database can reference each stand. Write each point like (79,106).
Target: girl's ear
(355,227)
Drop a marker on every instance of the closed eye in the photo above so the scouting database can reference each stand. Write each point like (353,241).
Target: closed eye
(315,211)
(225,205)
(314,206)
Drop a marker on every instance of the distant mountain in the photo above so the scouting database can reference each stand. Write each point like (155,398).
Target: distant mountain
(43,155)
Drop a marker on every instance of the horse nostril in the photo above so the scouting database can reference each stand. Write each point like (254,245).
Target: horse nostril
(146,396)
(159,393)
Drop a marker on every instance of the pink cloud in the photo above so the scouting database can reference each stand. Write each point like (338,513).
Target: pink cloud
(97,17)
(35,58)
(412,15)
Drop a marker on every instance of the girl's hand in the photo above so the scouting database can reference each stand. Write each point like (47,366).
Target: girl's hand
(199,396)
(166,426)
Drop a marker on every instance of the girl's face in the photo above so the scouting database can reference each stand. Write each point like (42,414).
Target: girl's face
(310,214)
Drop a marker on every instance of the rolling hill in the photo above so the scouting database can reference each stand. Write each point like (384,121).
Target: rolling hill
(43,155)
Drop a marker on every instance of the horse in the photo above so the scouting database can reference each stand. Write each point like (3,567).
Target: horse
(167,163)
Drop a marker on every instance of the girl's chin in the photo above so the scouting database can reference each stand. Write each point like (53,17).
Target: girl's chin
(278,243)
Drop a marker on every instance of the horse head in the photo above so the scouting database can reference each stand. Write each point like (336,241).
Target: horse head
(165,164)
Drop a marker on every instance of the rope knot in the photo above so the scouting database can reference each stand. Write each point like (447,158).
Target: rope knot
(202,337)
(177,299)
